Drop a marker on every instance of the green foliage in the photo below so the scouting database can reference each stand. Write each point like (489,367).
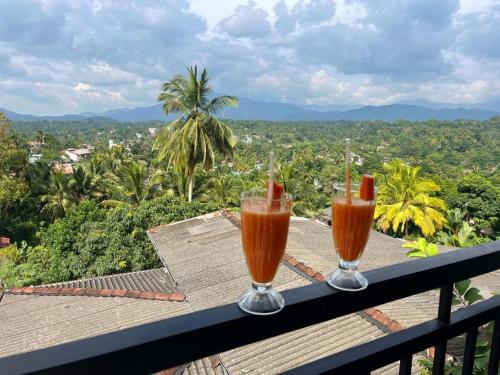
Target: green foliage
(132,184)
(198,135)
(58,199)
(406,198)
(10,253)
(224,191)
(480,199)
(421,249)
(459,233)
(32,269)
(92,241)
(13,186)
(465,237)
(463,295)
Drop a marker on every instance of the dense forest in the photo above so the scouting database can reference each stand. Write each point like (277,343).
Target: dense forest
(76,198)
(92,221)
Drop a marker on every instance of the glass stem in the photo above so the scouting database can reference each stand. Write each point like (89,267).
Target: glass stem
(349,266)
(261,287)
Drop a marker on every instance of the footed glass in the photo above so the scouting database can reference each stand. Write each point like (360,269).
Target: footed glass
(352,218)
(264,231)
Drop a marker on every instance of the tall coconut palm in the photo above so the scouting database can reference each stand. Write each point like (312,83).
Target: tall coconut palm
(193,139)
(405,198)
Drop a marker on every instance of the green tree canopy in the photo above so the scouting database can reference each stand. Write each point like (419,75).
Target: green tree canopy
(195,137)
(405,198)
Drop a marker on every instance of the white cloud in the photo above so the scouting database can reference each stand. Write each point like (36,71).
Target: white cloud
(247,21)
(62,56)
(82,87)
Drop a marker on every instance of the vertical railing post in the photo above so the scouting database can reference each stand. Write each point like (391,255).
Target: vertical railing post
(495,349)
(469,352)
(444,312)
(405,365)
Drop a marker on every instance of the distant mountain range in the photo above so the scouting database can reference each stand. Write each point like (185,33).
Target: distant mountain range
(414,110)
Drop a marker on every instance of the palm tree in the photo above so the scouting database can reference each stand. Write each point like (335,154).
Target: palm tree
(405,198)
(58,198)
(195,137)
(178,184)
(133,184)
(296,181)
(98,170)
(80,183)
(224,190)
(454,220)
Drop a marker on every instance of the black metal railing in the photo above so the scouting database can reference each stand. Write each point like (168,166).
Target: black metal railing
(171,342)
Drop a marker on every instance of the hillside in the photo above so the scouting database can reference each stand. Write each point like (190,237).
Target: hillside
(250,109)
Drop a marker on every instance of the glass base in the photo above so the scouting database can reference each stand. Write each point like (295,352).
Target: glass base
(348,280)
(261,299)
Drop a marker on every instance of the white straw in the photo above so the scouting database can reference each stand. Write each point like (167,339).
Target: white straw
(347,154)
(271,180)
(348,170)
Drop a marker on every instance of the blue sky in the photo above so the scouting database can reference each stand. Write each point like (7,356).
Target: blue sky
(63,56)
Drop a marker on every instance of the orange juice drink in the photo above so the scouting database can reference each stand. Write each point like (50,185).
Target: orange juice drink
(264,236)
(351,225)
(353,207)
(265,218)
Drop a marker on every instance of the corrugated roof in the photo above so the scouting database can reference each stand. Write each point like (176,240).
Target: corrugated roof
(203,367)
(205,258)
(281,353)
(34,322)
(155,280)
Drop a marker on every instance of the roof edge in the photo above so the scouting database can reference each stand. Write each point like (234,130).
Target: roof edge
(93,292)
(210,215)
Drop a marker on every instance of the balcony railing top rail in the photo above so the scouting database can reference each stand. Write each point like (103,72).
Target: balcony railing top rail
(171,342)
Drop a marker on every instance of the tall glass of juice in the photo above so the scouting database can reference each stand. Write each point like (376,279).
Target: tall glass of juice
(352,217)
(264,230)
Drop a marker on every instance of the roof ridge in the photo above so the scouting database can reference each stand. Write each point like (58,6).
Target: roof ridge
(93,292)
(209,215)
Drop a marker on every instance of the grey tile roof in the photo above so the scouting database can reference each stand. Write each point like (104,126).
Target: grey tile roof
(205,258)
(155,280)
(31,322)
(281,353)
(206,261)
(312,242)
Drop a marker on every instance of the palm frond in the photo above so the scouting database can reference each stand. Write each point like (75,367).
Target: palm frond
(221,102)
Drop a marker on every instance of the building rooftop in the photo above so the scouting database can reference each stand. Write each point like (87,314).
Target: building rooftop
(4,242)
(37,317)
(205,267)
(79,151)
(34,319)
(205,258)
